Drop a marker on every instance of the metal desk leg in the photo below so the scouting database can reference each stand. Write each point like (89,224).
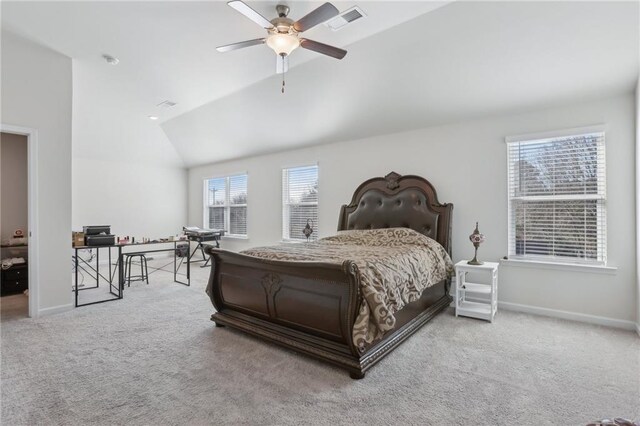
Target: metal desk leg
(110,276)
(97,266)
(206,263)
(120,271)
(191,254)
(76,268)
(204,257)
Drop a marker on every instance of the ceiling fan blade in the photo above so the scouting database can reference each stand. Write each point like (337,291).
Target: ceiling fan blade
(240,45)
(315,17)
(282,64)
(242,7)
(325,49)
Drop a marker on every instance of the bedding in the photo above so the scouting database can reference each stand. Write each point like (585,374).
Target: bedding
(394,267)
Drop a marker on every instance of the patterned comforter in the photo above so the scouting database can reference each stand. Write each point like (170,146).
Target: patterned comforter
(394,265)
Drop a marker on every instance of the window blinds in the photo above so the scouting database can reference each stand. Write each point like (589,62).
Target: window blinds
(217,190)
(557,198)
(237,205)
(227,204)
(300,202)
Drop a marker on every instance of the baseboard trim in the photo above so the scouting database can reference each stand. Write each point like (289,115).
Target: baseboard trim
(54,310)
(574,316)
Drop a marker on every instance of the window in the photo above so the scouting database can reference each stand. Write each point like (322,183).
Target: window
(557,198)
(299,202)
(226,204)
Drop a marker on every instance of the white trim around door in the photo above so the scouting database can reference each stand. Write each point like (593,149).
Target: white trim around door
(34,279)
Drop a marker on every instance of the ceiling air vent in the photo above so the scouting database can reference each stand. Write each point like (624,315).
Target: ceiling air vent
(166,104)
(345,18)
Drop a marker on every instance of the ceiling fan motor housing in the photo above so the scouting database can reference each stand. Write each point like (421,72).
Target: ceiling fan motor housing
(282,10)
(283,25)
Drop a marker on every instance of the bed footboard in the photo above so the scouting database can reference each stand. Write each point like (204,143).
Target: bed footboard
(308,307)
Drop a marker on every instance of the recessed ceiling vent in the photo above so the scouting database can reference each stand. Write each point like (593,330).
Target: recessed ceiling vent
(345,18)
(166,104)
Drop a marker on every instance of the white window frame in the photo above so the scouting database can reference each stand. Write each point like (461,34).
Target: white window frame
(227,204)
(561,261)
(286,206)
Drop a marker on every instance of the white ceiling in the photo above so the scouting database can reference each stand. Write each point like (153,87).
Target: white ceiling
(463,60)
(167,49)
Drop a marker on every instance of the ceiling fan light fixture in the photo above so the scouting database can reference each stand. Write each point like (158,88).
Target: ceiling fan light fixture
(283,33)
(283,43)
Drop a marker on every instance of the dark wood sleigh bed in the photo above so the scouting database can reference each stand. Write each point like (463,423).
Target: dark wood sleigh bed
(311,307)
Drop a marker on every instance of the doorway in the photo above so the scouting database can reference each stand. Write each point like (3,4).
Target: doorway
(18,214)
(14,219)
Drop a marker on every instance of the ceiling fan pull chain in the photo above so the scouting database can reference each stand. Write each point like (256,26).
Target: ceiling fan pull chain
(283,72)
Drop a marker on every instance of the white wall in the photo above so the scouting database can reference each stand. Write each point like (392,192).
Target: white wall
(14,213)
(126,173)
(135,199)
(466,162)
(36,93)
(638,204)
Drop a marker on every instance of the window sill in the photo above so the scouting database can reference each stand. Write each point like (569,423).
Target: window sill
(235,237)
(538,264)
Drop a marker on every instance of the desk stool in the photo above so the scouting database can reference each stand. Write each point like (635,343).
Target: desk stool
(144,270)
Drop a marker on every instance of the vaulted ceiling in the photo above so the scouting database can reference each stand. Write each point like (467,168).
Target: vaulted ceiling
(410,65)
(167,49)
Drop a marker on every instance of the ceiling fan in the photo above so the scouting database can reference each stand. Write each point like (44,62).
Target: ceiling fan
(284,34)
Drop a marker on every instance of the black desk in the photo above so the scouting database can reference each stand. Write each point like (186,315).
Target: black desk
(116,287)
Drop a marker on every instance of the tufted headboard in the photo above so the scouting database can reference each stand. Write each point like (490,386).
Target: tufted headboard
(398,201)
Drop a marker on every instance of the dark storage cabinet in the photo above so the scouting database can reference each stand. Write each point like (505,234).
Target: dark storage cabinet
(15,279)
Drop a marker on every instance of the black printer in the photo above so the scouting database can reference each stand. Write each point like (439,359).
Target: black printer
(98,235)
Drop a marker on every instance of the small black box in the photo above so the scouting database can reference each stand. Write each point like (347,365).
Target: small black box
(99,240)
(96,229)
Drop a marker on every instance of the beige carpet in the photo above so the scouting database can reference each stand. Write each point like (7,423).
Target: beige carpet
(154,358)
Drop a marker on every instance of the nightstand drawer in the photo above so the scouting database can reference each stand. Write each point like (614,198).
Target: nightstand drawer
(13,287)
(15,274)
(15,279)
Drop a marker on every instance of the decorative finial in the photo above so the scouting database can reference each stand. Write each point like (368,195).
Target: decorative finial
(392,180)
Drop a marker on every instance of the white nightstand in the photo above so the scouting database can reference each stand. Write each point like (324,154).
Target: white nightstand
(484,294)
